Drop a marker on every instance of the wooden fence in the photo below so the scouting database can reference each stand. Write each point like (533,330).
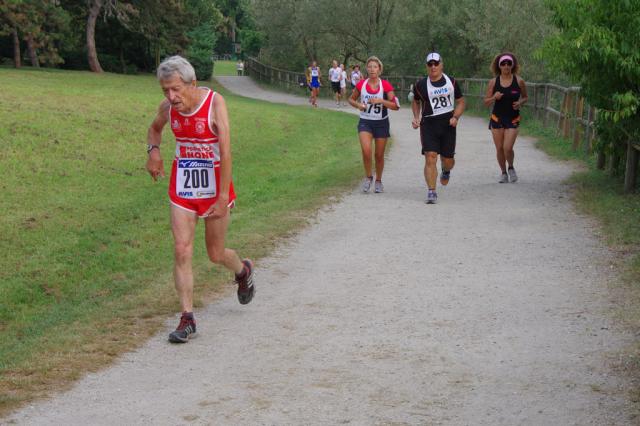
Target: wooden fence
(554,106)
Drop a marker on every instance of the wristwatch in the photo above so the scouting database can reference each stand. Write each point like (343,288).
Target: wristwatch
(151,147)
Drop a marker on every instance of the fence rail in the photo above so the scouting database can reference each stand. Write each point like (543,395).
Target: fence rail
(562,108)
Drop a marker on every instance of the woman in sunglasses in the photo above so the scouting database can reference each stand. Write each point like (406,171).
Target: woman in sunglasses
(507,92)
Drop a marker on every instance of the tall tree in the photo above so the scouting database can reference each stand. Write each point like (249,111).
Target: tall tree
(12,17)
(40,23)
(120,9)
(598,47)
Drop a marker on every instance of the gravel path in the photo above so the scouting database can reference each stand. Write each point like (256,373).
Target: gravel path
(489,308)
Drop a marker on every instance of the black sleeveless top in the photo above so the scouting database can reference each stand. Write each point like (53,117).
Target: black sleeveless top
(504,106)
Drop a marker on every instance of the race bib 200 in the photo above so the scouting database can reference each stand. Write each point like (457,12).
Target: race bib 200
(195,179)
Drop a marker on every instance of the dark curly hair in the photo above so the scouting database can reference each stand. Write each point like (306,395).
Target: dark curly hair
(495,66)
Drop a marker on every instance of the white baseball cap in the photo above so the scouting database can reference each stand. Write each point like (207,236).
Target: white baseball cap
(433,56)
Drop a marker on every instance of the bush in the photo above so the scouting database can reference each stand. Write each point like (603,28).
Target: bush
(203,40)
(202,65)
(112,63)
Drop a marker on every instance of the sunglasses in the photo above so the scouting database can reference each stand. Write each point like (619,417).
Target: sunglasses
(506,63)
(433,63)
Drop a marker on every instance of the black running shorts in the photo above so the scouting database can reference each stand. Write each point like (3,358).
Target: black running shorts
(335,86)
(378,128)
(438,136)
(496,122)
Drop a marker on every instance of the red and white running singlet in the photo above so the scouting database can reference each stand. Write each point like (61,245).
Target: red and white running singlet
(374,111)
(195,173)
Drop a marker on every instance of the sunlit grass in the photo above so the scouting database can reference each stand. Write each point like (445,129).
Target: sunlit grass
(224,68)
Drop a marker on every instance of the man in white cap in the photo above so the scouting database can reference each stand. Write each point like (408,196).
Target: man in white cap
(437,106)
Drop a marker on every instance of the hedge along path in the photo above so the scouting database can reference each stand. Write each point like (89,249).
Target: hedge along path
(490,307)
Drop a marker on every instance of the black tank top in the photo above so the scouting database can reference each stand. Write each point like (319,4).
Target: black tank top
(504,106)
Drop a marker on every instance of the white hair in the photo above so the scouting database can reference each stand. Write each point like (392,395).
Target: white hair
(176,65)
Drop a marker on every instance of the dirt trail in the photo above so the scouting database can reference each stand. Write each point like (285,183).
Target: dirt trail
(489,308)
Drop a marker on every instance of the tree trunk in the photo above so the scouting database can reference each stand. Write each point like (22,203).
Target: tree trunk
(123,64)
(16,48)
(31,48)
(92,54)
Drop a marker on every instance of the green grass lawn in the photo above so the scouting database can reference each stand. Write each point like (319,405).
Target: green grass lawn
(224,68)
(86,271)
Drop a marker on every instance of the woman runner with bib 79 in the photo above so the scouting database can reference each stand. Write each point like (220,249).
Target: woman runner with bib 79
(373,97)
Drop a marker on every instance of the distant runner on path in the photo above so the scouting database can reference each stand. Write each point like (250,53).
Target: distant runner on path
(335,75)
(437,106)
(313,76)
(507,92)
(356,76)
(373,96)
(200,184)
(343,84)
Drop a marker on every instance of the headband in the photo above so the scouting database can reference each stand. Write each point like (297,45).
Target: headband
(503,57)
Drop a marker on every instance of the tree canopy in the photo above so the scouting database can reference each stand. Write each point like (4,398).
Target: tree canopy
(122,35)
(598,47)
(468,33)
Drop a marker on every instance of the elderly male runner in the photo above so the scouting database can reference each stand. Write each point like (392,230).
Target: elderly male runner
(200,184)
(438,93)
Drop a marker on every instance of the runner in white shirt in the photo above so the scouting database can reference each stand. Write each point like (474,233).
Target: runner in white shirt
(356,76)
(335,73)
(343,85)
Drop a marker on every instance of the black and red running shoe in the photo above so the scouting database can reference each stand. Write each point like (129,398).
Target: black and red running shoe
(186,329)
(246,289)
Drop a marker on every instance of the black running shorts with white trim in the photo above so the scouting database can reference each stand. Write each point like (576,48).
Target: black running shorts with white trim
(378,128)
(438,136)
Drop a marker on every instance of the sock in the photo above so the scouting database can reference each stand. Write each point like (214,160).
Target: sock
(242,274)
(510,167)
(188,315)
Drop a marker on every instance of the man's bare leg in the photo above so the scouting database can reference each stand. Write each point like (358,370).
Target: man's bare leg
(183,226)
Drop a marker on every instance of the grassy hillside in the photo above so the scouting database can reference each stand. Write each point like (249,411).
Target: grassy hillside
(86,270)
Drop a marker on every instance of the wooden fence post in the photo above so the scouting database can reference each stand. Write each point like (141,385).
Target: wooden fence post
(560,121)
(535,100)
(601,161)
(577,122)
(564,110)
(631,170)
(579,109)
(545,112)
(614,163)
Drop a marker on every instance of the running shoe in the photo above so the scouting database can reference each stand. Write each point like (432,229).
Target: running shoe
(504,178)
(366,184)
(246,289)
(186,329)
(379,187)
(513,177)
(432,197)
(444,177)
